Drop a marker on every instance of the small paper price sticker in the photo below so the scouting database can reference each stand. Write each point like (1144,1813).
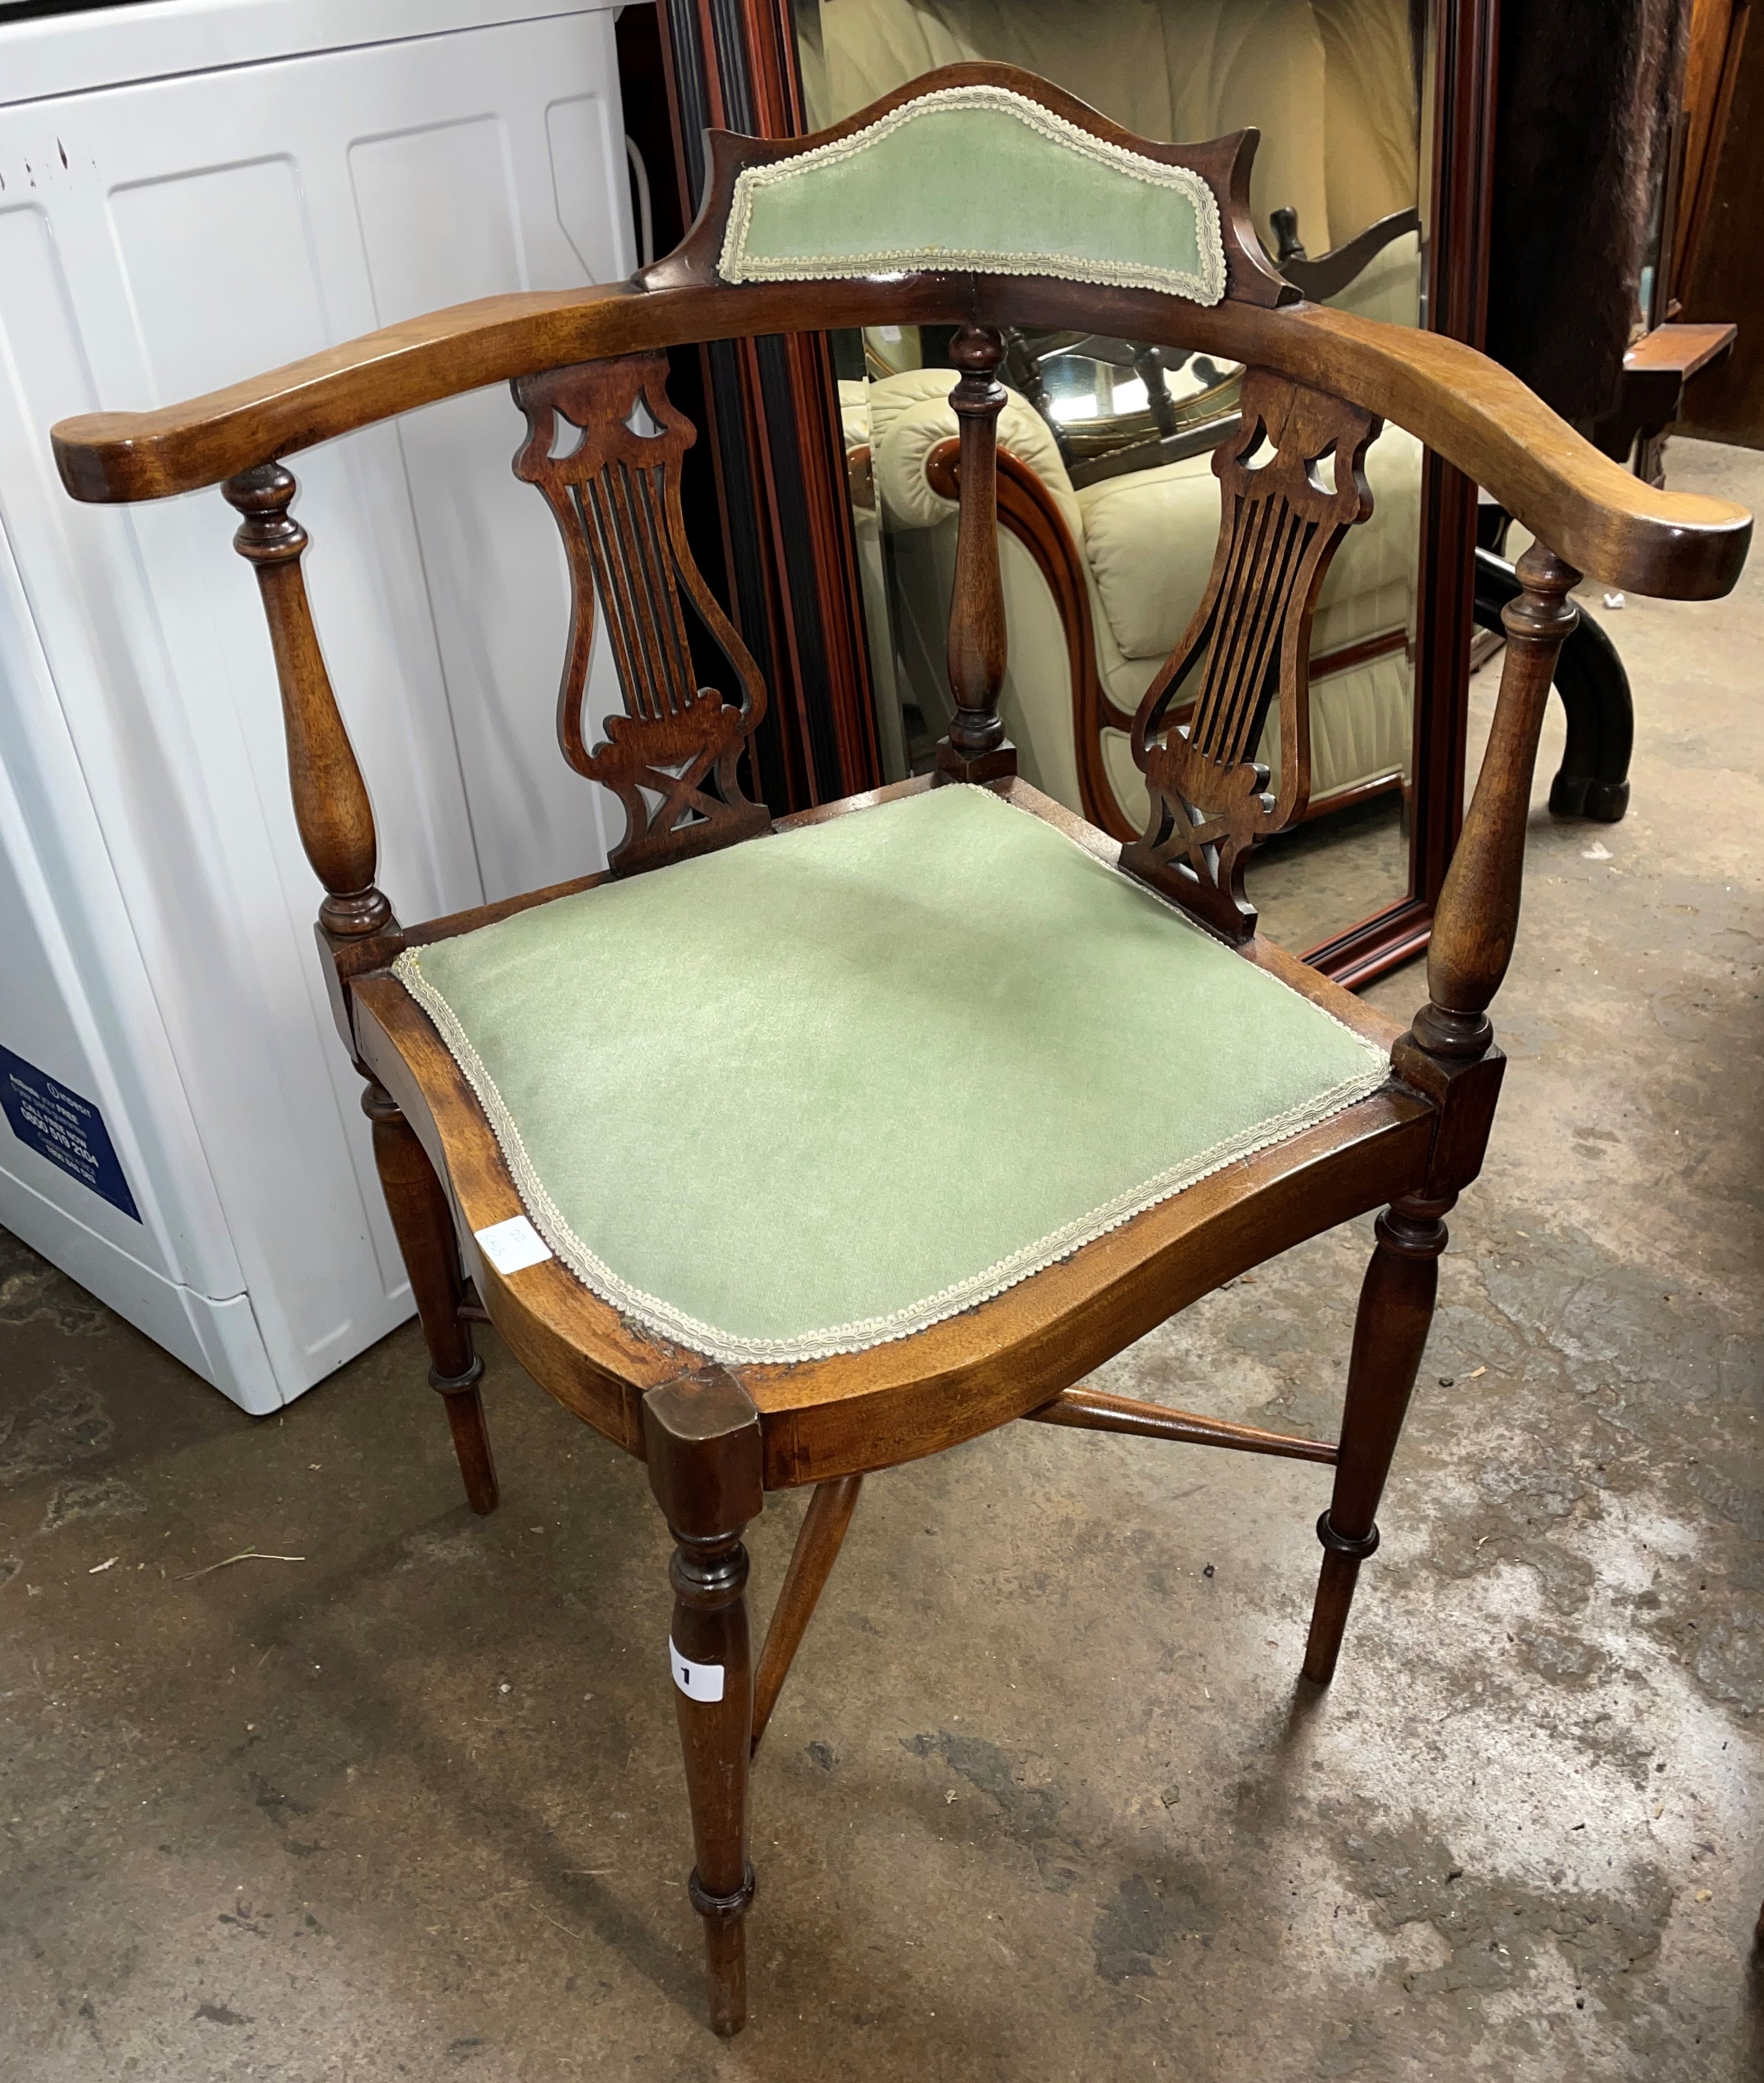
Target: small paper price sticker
(512,1245)
(698,1681)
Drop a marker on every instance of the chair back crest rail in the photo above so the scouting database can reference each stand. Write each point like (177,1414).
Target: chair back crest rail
(880,218)
(891,192)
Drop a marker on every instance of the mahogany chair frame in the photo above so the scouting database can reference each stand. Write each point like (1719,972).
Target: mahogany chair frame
(716,1439)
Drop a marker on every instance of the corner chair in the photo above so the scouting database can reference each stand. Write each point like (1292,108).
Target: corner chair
(670,1117)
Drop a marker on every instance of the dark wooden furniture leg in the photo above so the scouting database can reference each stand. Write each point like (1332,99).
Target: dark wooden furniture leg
(425,1227)
(1592,780)
(1396,1307)
(818,1542)
(702,1441)
(1448,1052)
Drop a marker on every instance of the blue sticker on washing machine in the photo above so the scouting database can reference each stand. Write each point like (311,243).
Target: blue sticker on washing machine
(60,1126)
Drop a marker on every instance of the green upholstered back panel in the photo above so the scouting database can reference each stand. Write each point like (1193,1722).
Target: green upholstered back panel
(981,180)
(825,1088)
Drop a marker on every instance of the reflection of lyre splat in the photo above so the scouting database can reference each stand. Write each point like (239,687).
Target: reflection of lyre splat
(616,494)
(1282,519)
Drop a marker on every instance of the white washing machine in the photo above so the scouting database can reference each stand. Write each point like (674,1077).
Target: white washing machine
(191,192)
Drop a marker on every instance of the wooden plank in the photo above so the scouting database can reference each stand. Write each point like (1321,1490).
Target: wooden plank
(1686,348)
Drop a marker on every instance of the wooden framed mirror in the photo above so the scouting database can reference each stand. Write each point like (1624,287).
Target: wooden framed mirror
(833,472)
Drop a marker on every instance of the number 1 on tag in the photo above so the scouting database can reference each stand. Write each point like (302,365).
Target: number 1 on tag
(698,1681)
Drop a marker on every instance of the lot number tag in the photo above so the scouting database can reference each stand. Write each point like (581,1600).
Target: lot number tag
(514,1245)
(698,1681)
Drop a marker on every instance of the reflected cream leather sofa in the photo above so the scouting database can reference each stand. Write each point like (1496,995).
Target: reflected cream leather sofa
(1330,83)
(1140,547)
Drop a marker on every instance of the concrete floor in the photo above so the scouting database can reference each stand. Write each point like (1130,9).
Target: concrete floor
(1043,1798)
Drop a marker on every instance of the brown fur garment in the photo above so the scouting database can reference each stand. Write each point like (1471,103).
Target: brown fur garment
(1582,135)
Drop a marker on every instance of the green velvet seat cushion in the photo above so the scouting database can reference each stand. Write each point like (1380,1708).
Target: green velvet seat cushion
(825,1088)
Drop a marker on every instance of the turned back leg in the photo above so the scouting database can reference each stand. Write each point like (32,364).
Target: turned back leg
(1396,1309)
(424,1225)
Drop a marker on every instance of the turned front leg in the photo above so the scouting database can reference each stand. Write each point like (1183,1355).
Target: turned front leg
(1396,1310)
(702,1440)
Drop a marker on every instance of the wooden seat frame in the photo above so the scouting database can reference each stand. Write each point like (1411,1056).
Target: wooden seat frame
(716,1439)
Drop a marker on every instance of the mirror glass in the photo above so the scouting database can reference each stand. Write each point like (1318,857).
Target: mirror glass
(1109,510)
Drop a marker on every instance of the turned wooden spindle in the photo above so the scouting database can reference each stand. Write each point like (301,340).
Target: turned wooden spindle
(1148,366)
(701,1442)
(335,823)
(1087,1409)
(1390,1334)
(977,749)
(1449,1053)
(422,1222)
(331,808)
(1477,913)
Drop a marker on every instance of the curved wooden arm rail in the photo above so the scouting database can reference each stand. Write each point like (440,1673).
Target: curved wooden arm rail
(715,1437)
(1556,484)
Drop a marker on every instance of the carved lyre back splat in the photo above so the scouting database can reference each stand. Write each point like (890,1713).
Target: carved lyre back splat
(1282,519)
(615,490)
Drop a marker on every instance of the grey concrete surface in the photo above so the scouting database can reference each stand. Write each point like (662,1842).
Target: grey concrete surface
(1044,1798)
